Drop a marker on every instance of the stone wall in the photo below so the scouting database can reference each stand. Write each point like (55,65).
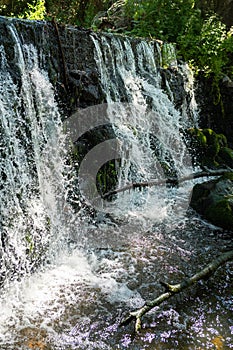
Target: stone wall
(66,53)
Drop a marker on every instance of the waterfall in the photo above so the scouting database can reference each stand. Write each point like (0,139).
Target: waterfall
(35,179)
(33,190)
(144,116)
(33,171)
(96,264)
(34,175)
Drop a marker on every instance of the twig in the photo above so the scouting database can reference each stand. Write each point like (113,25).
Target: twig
(171,289)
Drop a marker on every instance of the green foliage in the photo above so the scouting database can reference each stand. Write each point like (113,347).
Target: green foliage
(203,41)
(35,11)
(76,12)
(164,19)
(12,8)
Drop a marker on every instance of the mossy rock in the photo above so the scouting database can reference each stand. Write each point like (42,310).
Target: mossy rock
(214,200)
(209,148)
(221,214)
(226,156)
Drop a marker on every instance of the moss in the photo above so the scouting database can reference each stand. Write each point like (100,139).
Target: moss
(214,200)
(221,214)
(210,148)
(228,176)
(226,156)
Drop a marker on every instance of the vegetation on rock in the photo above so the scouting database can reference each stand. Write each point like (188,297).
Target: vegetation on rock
(210,149)
(214,200)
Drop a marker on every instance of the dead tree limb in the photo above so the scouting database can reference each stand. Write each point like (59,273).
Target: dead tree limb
(171,180)
(171,289)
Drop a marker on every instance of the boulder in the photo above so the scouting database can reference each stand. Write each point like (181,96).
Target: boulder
(214,201)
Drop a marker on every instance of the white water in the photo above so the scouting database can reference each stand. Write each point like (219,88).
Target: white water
(70,302)
(33,189)
(145,120)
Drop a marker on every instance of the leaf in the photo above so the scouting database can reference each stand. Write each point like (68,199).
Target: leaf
(218,342)
(36,345)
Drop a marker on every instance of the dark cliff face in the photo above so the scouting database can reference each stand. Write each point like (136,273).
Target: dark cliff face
(216,115)
(66,53)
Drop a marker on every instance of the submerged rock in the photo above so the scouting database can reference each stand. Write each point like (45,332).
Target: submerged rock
(214,200)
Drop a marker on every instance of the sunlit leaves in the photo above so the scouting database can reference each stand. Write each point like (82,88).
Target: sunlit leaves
(36,10)
(218,342)
(201,40)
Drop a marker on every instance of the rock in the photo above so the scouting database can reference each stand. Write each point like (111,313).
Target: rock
(227,82)
(114,18)
(226,156)
(215,112)
(210,149)
(214,200)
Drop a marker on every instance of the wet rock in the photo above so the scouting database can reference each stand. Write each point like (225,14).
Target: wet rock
(173,84)
(209,149)
(214,200)
(215,111)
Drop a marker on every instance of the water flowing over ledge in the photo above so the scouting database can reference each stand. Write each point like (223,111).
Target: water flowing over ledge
(92,267)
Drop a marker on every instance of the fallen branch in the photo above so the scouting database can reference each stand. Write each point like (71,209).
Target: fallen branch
(171,289)
(171,181)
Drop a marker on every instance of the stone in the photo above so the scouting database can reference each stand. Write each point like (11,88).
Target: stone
(209,149)
(213,115)
(226,156)
(214,201)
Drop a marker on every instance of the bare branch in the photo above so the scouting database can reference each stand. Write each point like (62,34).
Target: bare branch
(171,289)
(171,181)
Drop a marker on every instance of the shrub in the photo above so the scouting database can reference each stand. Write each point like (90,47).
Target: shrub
(202,41)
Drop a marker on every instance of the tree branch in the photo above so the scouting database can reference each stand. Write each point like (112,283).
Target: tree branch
(171,180)
(171,289)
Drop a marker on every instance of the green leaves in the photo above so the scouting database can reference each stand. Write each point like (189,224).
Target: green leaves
(36,10)
(202,40)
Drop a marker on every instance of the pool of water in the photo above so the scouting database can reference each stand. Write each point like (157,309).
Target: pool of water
(78,301)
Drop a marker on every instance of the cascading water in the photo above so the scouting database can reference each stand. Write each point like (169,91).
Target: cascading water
(147,123)
(32,170)
(77,301)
